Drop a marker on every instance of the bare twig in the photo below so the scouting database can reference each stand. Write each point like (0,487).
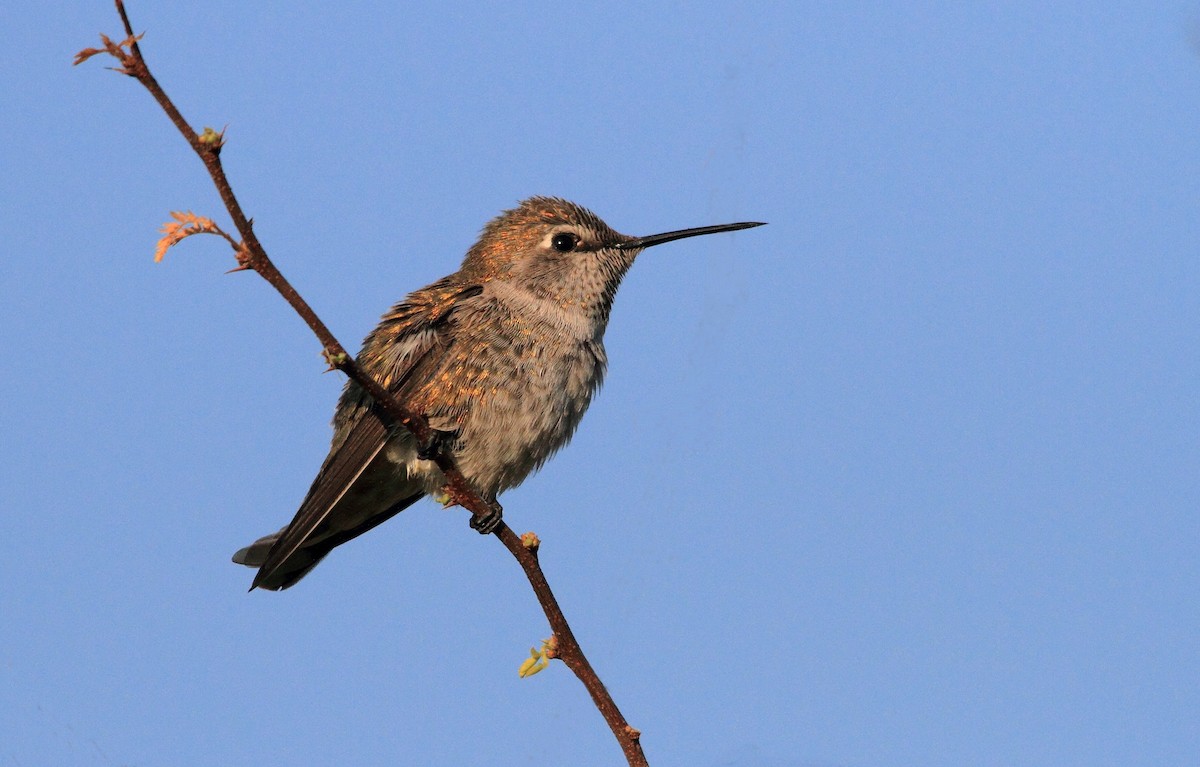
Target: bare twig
(251,255)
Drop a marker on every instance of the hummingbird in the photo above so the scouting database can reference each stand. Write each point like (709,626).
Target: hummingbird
(502,357)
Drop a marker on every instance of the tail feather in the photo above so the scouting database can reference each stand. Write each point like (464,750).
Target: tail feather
(308,556)
(256,553)
(289,571)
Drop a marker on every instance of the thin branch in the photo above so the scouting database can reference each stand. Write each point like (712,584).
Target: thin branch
(251,255)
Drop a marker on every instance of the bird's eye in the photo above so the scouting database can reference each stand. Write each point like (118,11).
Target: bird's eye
(564,242)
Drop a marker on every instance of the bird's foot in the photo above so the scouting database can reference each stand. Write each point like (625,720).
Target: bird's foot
(487,523)
(439,443)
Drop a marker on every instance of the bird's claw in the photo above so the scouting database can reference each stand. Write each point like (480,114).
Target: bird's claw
(487,523)
(439,443)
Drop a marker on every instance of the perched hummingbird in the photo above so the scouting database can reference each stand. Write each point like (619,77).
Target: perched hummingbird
(503,356)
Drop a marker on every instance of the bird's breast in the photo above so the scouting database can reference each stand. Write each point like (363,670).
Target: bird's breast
(529,370)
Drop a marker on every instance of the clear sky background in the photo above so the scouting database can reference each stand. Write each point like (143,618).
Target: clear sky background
(908,477)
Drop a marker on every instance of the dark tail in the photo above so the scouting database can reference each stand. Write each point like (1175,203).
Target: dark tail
(305,558)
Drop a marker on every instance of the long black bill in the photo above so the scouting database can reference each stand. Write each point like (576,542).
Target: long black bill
(659,239)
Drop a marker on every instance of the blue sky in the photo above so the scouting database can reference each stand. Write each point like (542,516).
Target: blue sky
(908,477)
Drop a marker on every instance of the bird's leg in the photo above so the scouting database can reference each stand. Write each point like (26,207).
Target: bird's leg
(488,522)
(439,443)
(442,442)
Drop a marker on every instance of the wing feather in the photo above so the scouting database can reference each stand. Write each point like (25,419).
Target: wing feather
(417,346)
